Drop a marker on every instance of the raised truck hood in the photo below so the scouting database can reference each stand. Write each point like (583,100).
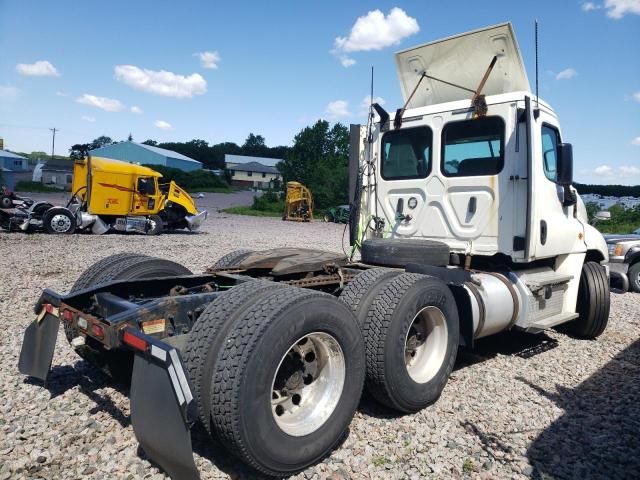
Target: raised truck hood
(463,60)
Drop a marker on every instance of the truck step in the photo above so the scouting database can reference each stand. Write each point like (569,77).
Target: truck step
(549,322)
(538,281)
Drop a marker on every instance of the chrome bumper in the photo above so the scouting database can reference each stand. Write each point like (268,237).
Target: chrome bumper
(194,221)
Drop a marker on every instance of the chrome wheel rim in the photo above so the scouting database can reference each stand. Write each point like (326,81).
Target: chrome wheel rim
(308,384)
(60,223)
(425,346)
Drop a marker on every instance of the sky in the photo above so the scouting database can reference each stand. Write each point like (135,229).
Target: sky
(217,71)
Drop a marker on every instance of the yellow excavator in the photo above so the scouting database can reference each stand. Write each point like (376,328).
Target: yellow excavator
(298,205)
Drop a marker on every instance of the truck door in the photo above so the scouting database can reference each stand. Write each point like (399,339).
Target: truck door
(556,231)
(406,160)
(144,198)
(472,156)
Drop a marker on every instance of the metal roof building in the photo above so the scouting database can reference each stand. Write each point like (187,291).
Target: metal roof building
(147,155)
(13,162)
(238,159)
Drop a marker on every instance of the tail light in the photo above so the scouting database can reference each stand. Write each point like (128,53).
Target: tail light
(134,341)
(97,331)
(67,315)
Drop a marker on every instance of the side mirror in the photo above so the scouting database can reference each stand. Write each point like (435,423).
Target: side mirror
(565,164)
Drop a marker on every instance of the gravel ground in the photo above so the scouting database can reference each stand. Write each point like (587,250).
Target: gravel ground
(518,406)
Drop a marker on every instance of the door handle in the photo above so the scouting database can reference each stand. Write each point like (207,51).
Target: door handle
(472,205)
(543,232)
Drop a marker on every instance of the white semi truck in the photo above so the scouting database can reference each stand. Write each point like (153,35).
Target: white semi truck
(467,225)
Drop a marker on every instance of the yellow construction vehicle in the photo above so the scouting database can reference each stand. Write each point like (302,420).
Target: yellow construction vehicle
(112,194)
(298,205)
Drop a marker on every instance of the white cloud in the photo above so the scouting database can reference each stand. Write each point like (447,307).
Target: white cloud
(161,82)
(619,8)
(375,31)
(636,96)
(41,68)
(346,61)
(366,102)
(209,59)
(8,92)
(162,125)
(604,170)
(636,141)
(87,118)
(566,74)
(107,104)
(61,94)
(589,6)
(137,110)
(630,171)
(337,109)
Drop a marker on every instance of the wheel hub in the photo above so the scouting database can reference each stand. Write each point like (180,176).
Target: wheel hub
(308,384)
(426,344)
(60,223)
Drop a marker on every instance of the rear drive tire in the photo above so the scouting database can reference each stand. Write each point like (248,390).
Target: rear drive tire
(156,225)
(592,305)
(362,290)
(59,220)
(209,331)
(288,380)
(634,277)
(231,259)
(411,337)
(122,266)
(327,217)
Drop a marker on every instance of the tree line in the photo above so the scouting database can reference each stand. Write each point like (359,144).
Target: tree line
(609,190)
(211,156)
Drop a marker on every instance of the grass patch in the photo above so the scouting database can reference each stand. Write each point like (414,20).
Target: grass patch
(24,186)
(606,227)
(379,461)
(244,210)
(467,466)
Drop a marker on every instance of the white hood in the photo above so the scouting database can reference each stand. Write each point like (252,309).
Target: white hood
(463,59)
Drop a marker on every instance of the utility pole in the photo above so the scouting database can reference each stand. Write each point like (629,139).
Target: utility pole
(53,145)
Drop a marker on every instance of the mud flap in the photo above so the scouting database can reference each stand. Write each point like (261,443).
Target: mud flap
(162,408)
(38,345)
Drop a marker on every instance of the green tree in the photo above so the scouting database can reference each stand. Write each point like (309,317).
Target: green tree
(592,209)
(150,142)
(319,159)
(255,146)
(100,142)
(130,138)
(79,150)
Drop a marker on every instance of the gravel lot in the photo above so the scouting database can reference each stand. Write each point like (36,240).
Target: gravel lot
(518,406)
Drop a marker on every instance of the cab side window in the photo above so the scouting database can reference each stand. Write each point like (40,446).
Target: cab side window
(550,141)
(406,153)
(473,147)
(146,186)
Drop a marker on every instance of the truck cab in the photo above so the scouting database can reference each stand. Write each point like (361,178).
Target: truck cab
(492,184)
